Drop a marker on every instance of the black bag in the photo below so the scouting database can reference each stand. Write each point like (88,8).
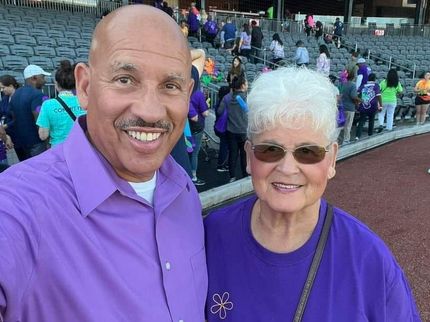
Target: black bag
(195,127)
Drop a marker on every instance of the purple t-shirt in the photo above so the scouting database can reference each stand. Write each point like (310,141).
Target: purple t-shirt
(198,105)
(358,279)
(364,71)
(78,244)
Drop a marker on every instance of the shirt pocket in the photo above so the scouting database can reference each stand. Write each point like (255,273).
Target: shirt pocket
(200,278)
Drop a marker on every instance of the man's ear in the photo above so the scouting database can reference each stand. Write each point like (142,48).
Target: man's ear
(82,78)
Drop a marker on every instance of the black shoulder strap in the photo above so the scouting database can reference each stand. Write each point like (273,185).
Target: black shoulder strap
(315,264)
(66,108)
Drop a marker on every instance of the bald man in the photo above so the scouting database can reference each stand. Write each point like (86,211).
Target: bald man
(107,227)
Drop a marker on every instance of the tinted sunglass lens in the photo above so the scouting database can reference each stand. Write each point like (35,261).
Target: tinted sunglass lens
(309,154)
(268,153)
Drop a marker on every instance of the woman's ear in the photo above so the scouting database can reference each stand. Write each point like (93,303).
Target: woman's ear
(333,155)
(248,151)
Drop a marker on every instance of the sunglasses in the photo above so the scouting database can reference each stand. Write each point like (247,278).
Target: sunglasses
(305,154)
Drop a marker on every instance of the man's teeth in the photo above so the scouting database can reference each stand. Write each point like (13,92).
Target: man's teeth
(144,136)
(286,186)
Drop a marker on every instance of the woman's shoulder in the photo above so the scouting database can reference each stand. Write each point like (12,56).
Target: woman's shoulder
(227,216)
(352,231)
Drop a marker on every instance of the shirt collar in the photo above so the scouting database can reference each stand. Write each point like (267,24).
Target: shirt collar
(95,180)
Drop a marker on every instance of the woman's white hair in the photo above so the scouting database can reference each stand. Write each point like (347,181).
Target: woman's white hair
(290,96)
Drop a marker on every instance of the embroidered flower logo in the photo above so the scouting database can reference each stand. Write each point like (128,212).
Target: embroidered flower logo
(222,305)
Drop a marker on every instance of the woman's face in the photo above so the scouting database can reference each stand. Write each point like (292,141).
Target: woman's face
(288,186)
(236,62)
(7,90)
(427,76)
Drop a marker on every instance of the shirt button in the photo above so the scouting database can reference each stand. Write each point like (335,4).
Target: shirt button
(168,268)
(181,321)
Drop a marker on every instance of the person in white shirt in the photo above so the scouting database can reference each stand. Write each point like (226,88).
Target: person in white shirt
(323,61)
(277,48)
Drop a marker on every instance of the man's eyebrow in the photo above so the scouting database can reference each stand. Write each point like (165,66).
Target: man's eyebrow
(128,67)
(175,77)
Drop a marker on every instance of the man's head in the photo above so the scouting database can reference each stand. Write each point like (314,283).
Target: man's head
(136,89)
(253,23)
(35,76)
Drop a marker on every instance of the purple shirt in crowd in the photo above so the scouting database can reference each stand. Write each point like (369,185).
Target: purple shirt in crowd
(198,106)
(78,244)
(358,279)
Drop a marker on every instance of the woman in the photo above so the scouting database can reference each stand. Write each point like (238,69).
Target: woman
(8,86)
(422,100)
(323,61)
(237,69)
(350,101)
(277,48)
(236,126)
(390,88)
(245,41)
(259,250)
(57,115)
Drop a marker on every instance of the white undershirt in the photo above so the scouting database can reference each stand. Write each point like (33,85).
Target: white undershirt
(145,189)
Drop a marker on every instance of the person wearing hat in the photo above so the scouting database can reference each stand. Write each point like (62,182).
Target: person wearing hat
(362,73)
(25,106)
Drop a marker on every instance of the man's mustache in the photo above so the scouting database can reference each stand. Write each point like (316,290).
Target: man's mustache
(125,124)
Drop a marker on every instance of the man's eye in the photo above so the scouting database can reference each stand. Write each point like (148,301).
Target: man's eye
(172,86)
(124,80)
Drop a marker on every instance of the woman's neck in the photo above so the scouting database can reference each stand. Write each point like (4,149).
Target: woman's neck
(283,232)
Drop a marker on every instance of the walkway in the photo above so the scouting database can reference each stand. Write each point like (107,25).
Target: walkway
(388,189)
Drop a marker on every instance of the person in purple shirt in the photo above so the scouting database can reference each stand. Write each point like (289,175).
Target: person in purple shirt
(260,249)
(362,73)
(106,226)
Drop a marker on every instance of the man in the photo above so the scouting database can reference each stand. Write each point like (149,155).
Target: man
(210,29)
(352,67)
(228,34)
(337,32)
(193,20)
(25,106)
(256,41)
(362,73)
(106,226)
(302,55)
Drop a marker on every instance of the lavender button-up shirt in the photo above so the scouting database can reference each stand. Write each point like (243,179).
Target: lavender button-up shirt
(78,244)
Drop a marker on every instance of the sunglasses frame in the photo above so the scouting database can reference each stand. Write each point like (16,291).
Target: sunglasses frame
(292,151)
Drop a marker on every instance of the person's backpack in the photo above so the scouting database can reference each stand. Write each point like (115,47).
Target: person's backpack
(211,28)
(221,121)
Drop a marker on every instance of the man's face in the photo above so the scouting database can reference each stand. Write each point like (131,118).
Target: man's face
(39,81)
(136,91)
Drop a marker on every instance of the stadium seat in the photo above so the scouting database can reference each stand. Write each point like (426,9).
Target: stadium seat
(74,28)
(55,33)
(44,62)
(40,25)
(4,50)
(85,43)
(6,39)
(72,35)
(65,42)
(46,41)
(86,35)
(82,52)
(66,52)
(37,32)
(4,30)
(45,51)
(57,27)
(19,31)
(13,62)
(22,50)
(25,40)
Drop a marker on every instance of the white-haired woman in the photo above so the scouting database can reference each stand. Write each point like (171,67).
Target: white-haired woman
(261,249)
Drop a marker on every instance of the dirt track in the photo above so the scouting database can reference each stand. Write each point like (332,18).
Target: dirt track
(388,188)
